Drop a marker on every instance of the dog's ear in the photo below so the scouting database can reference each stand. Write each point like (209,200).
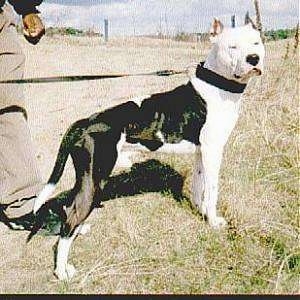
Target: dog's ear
(216,28)
(250,22)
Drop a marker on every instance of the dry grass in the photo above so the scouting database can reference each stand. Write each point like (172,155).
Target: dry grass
(150,243)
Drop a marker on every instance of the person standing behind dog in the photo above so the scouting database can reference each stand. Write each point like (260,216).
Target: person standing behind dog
(19,176)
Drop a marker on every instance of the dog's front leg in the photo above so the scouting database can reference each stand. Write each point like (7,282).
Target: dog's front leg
(198,180)
(211,160)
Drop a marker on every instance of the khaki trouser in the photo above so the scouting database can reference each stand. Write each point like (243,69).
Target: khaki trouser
(19,177)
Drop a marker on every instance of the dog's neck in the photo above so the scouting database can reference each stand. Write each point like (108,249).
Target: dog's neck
(209,76)
(215,88)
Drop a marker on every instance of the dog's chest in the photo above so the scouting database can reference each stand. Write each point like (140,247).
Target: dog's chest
(222,112)
(169,118)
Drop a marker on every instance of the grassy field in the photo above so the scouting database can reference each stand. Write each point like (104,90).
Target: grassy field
(151,243)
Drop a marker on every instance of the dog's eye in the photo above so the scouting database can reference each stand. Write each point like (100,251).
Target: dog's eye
(257,43)
(232,47)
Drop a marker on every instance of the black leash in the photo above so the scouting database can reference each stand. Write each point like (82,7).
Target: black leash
(163,73)
(201,73)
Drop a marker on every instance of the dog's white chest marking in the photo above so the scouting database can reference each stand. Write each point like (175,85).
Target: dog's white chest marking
(222,112)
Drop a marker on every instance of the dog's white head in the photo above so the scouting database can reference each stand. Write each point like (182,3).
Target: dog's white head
(238,53)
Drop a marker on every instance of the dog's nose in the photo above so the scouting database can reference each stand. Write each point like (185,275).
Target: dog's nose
(252,59)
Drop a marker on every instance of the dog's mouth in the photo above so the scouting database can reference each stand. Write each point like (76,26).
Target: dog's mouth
(256,72)
(237,76)
(248,75)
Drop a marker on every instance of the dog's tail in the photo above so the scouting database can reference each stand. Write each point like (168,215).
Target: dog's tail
(61,160)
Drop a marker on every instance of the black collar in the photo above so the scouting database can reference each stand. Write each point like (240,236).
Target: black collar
(219,81)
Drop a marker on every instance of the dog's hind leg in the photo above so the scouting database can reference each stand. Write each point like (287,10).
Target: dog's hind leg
(64,270)
(93,162)
(105,158)
(81,199)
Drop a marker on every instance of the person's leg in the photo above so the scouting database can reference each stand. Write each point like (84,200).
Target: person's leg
(19,177)
(12,63)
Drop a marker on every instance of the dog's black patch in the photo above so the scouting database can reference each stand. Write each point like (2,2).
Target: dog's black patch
(178,115)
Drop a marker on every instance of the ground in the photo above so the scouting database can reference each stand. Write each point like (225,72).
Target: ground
(151,243)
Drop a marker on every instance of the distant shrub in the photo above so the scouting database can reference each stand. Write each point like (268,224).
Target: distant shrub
(185,37)
(280,34)
(182,36)
(73,31)
(50,31)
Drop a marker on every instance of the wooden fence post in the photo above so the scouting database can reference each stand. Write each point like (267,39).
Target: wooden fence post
(233,21)
(106,30)
(296,45)
(247,18)
(258,19)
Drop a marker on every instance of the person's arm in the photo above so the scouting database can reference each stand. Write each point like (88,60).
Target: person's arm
(25,7)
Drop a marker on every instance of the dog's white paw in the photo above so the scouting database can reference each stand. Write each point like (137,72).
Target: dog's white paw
(85,229)
(71,271)
(217,222)
(65,274)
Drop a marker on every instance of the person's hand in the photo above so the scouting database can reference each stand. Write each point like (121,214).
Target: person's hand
(33,28)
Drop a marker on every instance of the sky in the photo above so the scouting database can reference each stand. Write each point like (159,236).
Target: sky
(139,17)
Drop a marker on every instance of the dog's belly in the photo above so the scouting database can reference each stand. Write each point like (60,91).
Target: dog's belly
(182,147)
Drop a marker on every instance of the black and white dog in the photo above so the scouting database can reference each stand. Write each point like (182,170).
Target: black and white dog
(197,117)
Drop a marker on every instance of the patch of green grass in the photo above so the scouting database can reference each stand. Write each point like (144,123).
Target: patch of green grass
(63,288)
(294,263)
